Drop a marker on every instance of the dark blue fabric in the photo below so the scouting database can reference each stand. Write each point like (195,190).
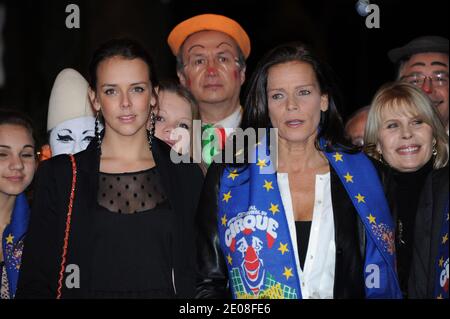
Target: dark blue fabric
(13,241)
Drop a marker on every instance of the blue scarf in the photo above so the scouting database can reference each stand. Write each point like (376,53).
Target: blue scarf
(442,267)
(254,232)
(13,237)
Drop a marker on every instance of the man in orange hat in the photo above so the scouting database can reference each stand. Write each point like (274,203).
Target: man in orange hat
(211,51)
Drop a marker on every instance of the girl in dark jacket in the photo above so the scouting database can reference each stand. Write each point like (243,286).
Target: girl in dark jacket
(17,167)
(116,220)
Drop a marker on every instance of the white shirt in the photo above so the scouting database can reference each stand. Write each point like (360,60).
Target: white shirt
(317,277)
(231,122)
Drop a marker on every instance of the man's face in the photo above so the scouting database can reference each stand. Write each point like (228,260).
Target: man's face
(434,66)
(211,70)
(355,128)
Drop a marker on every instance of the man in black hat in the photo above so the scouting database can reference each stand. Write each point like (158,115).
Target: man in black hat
(424,62)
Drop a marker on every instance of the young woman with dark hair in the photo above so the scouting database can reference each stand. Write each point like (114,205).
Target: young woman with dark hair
(116,220)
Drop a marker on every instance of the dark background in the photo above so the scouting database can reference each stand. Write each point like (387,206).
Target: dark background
(37,44)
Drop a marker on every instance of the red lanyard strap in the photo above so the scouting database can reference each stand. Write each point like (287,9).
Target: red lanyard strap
(67,231)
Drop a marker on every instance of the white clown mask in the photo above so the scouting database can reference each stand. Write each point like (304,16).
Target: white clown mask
(72,136)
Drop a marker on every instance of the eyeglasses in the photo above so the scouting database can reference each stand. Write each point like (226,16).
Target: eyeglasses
(439,79)
(223,60)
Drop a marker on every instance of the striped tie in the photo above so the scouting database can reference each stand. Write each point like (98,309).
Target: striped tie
(214,136)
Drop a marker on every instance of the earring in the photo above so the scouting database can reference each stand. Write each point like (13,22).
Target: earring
(97,129)
(151,132)
(435,152)
(380,159)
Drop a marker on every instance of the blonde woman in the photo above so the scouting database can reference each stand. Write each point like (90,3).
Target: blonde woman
(404,132)
(177,111)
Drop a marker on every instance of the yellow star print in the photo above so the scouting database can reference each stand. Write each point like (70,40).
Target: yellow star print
(348,178)
(224,220)
(372,219)
(445,238)
(267,185)
(283,248)
(287,273)
(227,196)
(360,198)
(338,157)
(274,208)
(261,163)
(441,262)
(230,260)
(9,239)
(233,174)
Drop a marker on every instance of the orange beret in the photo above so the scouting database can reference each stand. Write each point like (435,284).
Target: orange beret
(211,22)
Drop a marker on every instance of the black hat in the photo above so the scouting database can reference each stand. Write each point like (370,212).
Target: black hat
(419,45)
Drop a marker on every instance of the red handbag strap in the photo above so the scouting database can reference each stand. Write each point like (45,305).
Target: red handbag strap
(67,231)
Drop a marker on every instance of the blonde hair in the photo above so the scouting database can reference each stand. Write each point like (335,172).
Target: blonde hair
(185,94)
(404,98)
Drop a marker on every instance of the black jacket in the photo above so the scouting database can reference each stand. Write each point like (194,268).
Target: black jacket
(212,278)
(429,217)
(403,191)
(44,242)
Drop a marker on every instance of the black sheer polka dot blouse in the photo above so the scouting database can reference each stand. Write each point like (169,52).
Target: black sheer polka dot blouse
(133,234)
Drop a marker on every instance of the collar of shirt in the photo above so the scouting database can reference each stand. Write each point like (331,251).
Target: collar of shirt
(317,277)
(231,122)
